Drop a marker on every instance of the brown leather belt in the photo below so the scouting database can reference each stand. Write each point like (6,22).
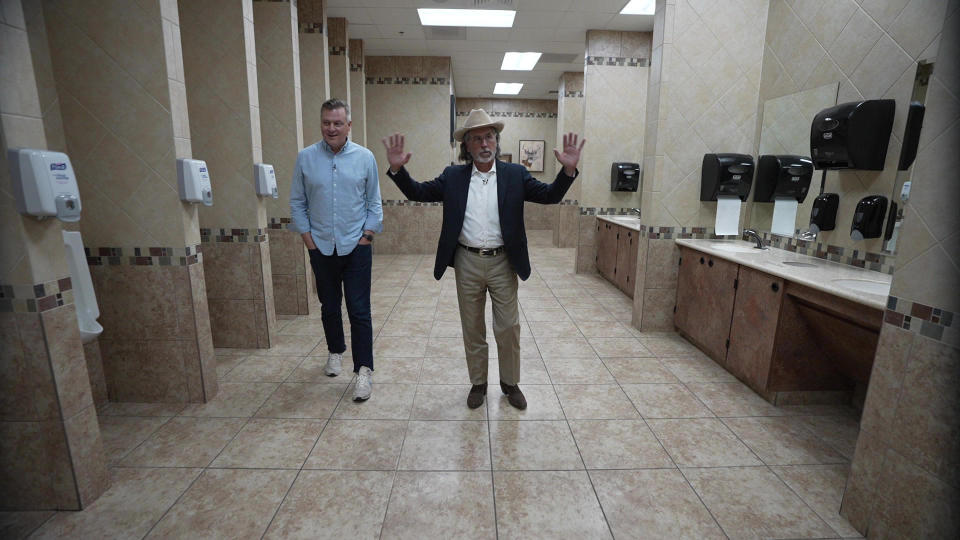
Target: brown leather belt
(484,252)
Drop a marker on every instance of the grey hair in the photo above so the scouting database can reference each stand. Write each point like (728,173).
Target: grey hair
(465,155)
(333,104)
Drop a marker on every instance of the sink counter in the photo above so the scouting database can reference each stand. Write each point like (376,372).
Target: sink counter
(630,222)
(866,287)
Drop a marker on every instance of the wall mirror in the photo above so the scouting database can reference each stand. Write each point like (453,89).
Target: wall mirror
(785,129)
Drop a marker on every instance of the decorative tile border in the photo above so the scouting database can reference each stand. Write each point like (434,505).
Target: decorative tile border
(407,80)
(337,50)
(311,28)
(136,256)
(573,93)
(598,211)
(928,321)
(513,114)
(623,61)
(405,202)
(569,202)
(356,67)
(36,298)
(233,235)
(843,255)
(697,233)
(279,223)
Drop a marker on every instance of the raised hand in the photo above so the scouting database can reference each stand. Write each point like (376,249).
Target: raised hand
(395,154)
(571,153)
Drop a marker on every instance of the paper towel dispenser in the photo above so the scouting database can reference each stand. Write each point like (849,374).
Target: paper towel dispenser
(726,174)
(782,176)
(868,218)
(852,135)
(624,176)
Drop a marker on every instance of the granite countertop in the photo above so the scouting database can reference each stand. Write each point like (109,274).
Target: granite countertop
(630,222)
(867,287)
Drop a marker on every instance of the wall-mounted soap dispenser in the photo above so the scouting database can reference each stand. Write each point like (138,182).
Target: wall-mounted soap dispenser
(868,218)
(266,180)
(852,135)
(726,175)
(624,176)
(44,184)
(823,216)
(193,181)
(782,177)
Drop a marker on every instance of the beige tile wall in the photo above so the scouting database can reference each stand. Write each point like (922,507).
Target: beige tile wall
(903,479)
(358,93)
(340,62)
(871,50)
(221,70)
(569,119)
(314,77)
(121,98)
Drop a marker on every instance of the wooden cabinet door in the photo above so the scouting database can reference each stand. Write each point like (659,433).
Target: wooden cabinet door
(625,243)
(705,298)
(755,315)
(606,249)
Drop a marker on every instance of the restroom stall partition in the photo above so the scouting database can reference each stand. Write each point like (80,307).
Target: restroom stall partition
(220,66)
(279,85)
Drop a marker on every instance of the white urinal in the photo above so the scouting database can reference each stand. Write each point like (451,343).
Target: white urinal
(83,295)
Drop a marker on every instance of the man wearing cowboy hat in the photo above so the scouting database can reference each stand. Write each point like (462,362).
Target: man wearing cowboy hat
(483,238)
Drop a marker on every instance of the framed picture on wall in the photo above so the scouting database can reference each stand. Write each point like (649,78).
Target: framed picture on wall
(531,155)
(506,158)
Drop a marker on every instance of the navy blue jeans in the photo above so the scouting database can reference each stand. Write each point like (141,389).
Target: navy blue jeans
(340,276)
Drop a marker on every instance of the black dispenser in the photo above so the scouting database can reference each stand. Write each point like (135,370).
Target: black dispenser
(726,174)
(823,216)
(852,135)
(783,176)
(624,176)
(868,218)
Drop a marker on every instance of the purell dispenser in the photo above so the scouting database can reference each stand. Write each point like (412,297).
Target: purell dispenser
(44,184)
(193,181)
(852,135)
(266,180)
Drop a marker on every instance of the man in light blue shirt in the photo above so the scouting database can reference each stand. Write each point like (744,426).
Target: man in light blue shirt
(335,206)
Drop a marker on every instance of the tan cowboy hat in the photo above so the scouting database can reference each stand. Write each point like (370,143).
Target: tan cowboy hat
(478,118)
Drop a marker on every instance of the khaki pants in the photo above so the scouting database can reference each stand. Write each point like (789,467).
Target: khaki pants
(476,275)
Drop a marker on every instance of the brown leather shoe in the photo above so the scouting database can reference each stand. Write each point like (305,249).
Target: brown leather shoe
(514,395)
(475,397)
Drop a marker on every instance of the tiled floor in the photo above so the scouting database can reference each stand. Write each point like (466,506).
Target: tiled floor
(627,434)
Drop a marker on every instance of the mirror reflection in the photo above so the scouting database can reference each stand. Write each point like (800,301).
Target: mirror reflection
(785,129)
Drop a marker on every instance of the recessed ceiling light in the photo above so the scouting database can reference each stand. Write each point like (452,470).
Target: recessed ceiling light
(507,88)
(639,7)
(492,18)
(520,61)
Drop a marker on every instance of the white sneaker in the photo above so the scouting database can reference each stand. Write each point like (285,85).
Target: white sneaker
(361,392)
(333,364)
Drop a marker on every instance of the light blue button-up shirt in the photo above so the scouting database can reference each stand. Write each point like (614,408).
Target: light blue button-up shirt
(335,197)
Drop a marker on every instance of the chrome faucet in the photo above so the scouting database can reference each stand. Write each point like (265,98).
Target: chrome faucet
(634,211)
(753,234)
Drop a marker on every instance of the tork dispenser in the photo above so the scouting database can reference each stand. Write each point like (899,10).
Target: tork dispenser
(266,180)
(868,218)
(726,175)
(44,184)
(783,177)
(852,135)
(193,181)
(823,216)
(624,176)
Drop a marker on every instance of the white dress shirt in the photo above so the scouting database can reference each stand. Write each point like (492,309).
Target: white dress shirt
(481,221)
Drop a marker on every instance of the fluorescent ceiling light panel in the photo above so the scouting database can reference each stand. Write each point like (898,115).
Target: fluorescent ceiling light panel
(507,88)
(639,7)
(489,18)
(520,61)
